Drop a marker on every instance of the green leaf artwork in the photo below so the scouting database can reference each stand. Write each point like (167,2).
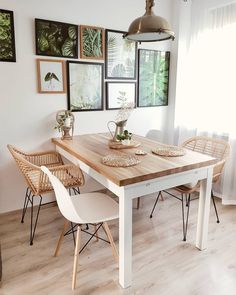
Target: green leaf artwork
(7,38)
(56,39)
(50,76)
(153,78)
(120,56)
(92,42)
(85,86)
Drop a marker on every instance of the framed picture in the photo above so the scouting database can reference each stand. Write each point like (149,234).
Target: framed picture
(120,56)
(56,39)
(120,93)
(7,36)
(91,42)
(85,86)
(153,78)
(51,76)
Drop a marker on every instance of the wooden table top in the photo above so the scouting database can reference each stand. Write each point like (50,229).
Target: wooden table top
(90,148)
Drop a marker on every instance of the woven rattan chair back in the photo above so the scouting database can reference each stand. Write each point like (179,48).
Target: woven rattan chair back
(213,147)
(38,181)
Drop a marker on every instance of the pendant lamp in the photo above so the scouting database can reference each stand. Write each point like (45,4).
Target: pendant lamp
(149,27)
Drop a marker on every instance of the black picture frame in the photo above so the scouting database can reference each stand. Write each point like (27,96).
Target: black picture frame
(133,85)
(145,75)
(63,37)
(117,72)
(10,43)
(79,85)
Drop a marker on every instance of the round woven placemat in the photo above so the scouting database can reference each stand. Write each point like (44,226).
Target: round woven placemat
(169,151)
(120,160)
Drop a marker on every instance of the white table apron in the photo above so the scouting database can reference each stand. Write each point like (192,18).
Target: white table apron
(129,192)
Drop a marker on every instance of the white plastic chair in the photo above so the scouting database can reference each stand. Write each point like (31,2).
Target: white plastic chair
(88,208)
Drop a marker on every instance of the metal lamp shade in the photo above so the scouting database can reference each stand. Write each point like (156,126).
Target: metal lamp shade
(149,27)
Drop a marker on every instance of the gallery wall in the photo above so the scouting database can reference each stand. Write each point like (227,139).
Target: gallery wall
(27,118)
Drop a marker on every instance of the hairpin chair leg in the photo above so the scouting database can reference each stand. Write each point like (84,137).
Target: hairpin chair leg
(33,227)
(76,258)
(26,202)
(159,194)
(110,238)
(213,200)
(186,226)
(65,228)
(183,218)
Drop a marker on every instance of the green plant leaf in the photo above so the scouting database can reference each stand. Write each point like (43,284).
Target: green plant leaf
(54,76)
(48,77)
(43,43)
(72,33)
(68,48)
(118,71)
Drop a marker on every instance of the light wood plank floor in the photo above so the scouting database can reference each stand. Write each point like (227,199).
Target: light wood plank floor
(162,263)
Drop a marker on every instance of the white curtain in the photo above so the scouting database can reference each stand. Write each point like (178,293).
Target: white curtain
(206,102)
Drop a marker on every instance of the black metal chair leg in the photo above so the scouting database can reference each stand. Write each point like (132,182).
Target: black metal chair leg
(33,227)
(73,232)
(76,190)
(26,202)
(186,225)
(213,200)
(183,219)
(155,204)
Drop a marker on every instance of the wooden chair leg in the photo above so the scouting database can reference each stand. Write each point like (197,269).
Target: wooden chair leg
(95,228)
(76,257)
(110,238)
(65,228)
(138,203)
(161,195)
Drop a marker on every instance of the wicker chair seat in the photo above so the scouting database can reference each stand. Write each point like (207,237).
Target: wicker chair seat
(39,184)
(39,188)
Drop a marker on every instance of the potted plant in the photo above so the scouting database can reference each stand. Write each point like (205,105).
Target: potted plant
(125,137)
(65,122)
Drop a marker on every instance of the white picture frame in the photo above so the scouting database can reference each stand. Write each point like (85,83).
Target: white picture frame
(118,93)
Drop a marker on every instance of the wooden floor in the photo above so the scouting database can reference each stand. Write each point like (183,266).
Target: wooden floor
(162,263)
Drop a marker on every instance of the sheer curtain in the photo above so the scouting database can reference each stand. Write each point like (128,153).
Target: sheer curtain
(206,102)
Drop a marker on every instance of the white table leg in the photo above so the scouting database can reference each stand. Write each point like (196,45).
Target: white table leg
(125,241)
(204,210)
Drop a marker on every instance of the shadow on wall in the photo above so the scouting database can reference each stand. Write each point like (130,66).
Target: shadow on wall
(155,134)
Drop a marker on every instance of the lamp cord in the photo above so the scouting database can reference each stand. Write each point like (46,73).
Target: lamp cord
(149,5)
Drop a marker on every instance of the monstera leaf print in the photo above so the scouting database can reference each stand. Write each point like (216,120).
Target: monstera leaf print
(56,39)
(7,42)
(68,48)
(153,78)
(121,56)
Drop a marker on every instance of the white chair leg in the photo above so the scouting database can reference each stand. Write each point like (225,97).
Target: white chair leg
(110,238)
(76,257)
(65,228)
(161,195)
(95,228)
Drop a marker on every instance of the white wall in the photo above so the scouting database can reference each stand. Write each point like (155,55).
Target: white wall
(26,117)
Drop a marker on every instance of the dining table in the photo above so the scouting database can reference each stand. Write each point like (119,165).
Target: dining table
(152,174)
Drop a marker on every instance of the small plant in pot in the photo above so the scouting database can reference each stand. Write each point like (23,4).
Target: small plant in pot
(65,122)
(125,137)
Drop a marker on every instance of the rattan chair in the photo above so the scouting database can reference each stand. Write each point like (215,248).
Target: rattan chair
(38,183)
(213,147)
